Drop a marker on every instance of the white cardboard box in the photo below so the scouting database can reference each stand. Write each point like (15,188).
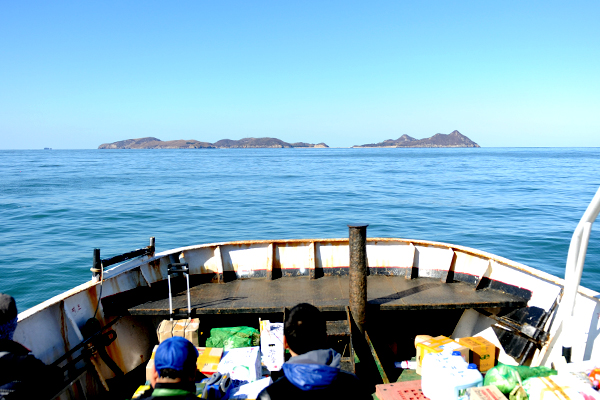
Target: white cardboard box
(271,345)
(242,364)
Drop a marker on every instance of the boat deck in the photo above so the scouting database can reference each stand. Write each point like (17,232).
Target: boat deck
(328,293)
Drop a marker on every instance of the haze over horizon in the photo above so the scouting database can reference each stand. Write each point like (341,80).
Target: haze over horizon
(76,75)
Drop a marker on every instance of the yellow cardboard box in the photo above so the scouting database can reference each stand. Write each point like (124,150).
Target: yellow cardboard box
(553,388)
(437,345)
(483,353)
(208,359)
(207,363)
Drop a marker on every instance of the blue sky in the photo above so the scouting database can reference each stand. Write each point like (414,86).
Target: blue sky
(513,73)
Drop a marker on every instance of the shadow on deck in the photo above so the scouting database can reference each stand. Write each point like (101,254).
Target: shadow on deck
(329,293)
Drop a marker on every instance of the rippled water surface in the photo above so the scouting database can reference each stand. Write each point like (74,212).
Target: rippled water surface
(56,206)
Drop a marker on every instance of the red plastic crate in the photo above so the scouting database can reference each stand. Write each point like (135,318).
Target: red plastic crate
(410,390)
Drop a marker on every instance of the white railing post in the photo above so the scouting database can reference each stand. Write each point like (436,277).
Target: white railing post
(573,271)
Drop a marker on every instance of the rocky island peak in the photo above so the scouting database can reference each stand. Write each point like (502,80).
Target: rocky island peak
(453,139)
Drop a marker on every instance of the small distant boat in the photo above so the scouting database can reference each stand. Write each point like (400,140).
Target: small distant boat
(102,332)
(47,148)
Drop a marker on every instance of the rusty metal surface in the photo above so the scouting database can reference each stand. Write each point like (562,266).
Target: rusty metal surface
(382,373)
(358,274)
(329,293)
(312,261)
(270,261)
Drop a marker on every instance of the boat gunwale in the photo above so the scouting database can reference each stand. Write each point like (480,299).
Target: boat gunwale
(467,250)
(136,263)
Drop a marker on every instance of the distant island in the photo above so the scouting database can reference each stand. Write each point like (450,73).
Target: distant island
(247,143)
(454,139)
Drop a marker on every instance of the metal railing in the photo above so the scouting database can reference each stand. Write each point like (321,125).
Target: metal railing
(573,271)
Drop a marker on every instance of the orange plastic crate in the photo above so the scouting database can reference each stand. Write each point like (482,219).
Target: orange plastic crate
(410,390)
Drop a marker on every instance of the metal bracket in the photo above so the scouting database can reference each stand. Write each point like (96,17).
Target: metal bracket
(99,264)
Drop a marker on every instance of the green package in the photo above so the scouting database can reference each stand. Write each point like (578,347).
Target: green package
(506,377)
(233,337)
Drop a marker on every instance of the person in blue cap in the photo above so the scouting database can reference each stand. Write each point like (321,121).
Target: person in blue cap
(174,371)
(313,372)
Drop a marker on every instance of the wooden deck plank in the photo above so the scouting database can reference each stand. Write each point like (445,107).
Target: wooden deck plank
(329,293)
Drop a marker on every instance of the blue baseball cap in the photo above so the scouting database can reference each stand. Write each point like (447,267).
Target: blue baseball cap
(175,353)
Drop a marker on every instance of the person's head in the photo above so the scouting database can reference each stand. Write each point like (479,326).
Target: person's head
(175,360)
(8,316)
(305,329)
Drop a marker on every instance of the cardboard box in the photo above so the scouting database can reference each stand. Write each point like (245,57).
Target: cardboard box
(187,328)
(559,387)
(242,364)
(150,367)
(486,393)
(271,345)
(437,345)
(209,359)
(483,353)
(207,363)
(550,388)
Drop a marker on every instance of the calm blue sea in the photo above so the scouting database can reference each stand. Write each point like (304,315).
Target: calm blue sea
(57,205)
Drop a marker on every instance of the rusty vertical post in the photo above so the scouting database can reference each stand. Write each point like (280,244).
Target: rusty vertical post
(96,264)
(358,274)
(152,245)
